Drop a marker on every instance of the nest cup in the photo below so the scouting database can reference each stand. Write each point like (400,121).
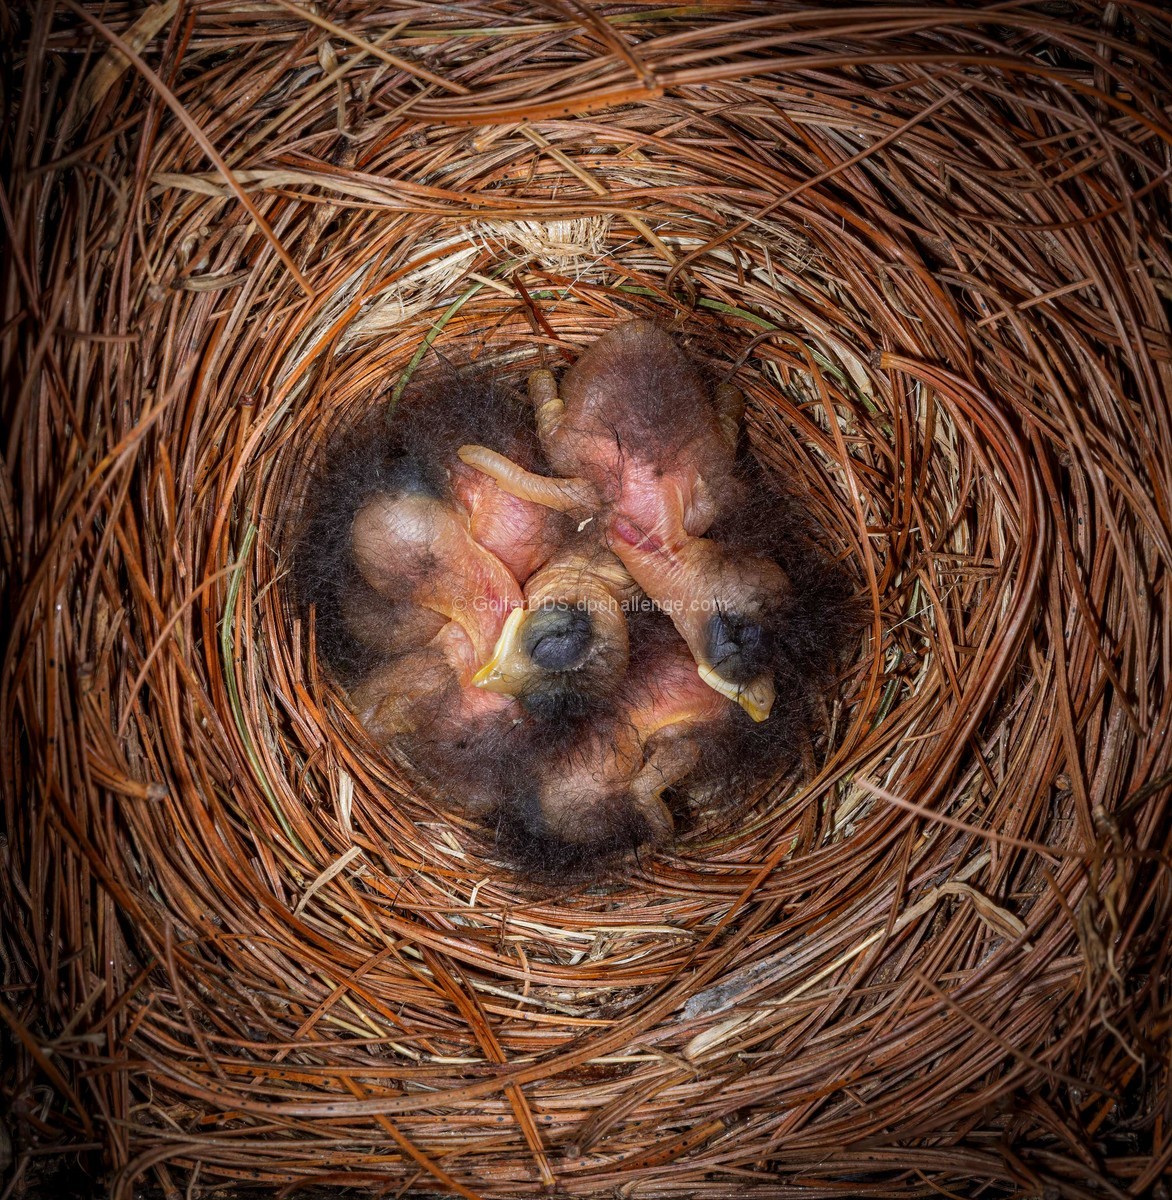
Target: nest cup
(240,945)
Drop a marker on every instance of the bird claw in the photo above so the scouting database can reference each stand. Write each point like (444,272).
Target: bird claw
(549,406)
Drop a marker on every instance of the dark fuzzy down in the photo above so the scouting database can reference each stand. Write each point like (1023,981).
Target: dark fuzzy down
(449,408)
(824,612)
(492,768)
(408,453)
(523,838)
(560,700)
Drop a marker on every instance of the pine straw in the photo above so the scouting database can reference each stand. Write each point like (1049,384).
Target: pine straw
(933,247)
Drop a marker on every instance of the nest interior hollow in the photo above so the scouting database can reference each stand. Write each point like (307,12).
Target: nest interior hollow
(935,256)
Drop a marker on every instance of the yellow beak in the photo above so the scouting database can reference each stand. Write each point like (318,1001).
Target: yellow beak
(508,666)
(755,698)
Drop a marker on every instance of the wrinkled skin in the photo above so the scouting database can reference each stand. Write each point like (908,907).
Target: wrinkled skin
(521,534)
(565,654)
(464,561)
(414,550)
(646,454)
(652,743)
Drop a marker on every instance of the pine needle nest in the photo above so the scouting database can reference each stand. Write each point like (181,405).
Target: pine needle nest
(932,246)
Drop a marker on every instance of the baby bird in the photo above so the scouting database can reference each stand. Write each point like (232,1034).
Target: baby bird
(640,443)
(413,562)
(416,552)
(357,626)
(603,795)
(565,653)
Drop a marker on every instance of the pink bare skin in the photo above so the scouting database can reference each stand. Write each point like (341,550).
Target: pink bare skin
(648,454)
(419,549)
(694,578)
(523,535)
(652,744)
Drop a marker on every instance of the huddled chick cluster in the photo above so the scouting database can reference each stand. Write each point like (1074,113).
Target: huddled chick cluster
(577,624)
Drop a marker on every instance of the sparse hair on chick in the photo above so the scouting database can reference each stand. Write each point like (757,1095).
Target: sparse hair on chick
(568,767)
(654,460)
(411,452)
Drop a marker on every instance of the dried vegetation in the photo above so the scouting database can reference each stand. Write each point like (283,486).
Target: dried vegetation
(933,245)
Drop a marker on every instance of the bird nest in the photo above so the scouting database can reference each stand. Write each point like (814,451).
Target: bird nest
(932,246)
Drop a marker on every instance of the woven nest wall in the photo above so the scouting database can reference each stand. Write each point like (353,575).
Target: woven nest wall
(932,245)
